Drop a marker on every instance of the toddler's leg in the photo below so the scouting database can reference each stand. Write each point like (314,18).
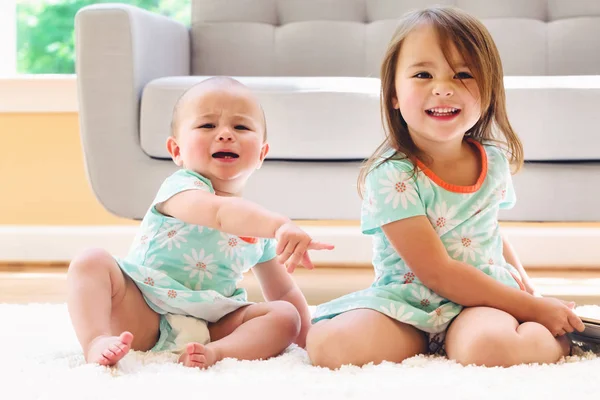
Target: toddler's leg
(107,310)
(362,336)
(491,337)
(258,331)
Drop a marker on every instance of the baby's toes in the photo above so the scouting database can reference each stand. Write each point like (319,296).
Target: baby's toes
(194,348)
(198,358)
(117,349)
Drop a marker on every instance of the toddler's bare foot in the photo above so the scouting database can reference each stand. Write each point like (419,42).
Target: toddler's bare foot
(108,350)
(198,355)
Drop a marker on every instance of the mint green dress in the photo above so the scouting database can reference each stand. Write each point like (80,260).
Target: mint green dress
(464,217)
(188,269)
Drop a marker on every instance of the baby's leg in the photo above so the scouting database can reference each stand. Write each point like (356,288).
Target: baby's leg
(362,336)
(491,337)
(258,331)
(107,310)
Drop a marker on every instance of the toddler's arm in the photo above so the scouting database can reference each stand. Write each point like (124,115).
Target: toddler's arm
(510,255)
(417,243)
(277,284)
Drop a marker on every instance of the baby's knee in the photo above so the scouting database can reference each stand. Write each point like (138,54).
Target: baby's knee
(89,261)
(287,317)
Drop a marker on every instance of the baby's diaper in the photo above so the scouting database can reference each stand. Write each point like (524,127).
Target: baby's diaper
(176,331)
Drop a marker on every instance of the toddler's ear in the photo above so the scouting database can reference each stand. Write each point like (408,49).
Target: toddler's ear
(174,151)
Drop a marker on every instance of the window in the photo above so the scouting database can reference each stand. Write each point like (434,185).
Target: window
(45,38)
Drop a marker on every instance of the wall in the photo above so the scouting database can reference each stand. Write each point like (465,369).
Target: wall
(42,174)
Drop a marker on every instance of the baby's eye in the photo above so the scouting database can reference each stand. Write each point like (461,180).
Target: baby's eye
(207,126)
(241,128)
(463,75)
(423,75)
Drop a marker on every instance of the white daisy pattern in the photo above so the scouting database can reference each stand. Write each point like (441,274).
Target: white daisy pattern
(399,188)
(230,245)
(489,257)
(398,314)
(442,217)
(150,277)
(147,233)
(423,180)
(152,262)
(172,234)
(465,244)
(500,192)
(237,268)
(178,295)
(200,264)
(440,316)
(498,273)
(425,297)
(369,204)
(477,207)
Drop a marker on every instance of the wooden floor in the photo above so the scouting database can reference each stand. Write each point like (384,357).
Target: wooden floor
(46,283)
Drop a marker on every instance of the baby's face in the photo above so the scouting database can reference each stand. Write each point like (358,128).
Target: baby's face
(220,135)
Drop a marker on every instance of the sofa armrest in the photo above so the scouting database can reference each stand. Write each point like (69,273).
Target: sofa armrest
(119,49)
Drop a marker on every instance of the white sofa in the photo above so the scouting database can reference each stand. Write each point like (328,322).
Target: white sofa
(314,64)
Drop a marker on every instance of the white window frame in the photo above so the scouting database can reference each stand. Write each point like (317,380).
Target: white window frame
(29,93)
(8,37)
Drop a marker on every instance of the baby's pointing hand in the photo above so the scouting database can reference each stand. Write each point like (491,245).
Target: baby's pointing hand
(293,245)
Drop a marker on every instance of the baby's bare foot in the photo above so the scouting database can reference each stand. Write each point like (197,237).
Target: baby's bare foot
(198,355)
(108,350)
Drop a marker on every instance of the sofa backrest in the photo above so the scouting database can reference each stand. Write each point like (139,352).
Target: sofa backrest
(349,37)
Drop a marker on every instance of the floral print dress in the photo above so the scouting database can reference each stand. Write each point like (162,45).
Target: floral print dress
(464,217)
(189,269)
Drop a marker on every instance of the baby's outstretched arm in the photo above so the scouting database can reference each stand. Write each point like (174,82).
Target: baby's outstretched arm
(277,284)
(241,217)
(232,215)
(418,244)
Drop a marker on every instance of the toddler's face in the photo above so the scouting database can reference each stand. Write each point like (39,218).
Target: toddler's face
(438,104)
(220,134)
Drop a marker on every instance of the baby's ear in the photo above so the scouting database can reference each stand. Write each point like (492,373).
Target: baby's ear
(174,151)
(263,153)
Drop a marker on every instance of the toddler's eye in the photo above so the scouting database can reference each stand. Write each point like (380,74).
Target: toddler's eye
(423,75)
(241,128)
(463,75)
(207,126)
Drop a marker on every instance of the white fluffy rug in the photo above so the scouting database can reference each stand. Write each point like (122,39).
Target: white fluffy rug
(41,359)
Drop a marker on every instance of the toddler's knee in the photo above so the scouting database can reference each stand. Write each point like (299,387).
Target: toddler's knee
(488,348)
(288,318)
(325,345)
(89,261)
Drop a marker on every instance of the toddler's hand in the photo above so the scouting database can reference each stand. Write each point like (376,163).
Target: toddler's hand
(557,315)
(293,244)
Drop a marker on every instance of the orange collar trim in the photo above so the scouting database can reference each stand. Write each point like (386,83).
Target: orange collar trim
(457,188)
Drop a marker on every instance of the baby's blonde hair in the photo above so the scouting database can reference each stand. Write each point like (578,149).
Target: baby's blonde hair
(475,44)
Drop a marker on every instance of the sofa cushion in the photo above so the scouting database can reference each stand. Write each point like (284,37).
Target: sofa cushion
(307,118)
(555,116)
(349,37)
(339,119)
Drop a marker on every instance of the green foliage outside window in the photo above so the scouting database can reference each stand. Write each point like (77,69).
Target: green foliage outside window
(45,30)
